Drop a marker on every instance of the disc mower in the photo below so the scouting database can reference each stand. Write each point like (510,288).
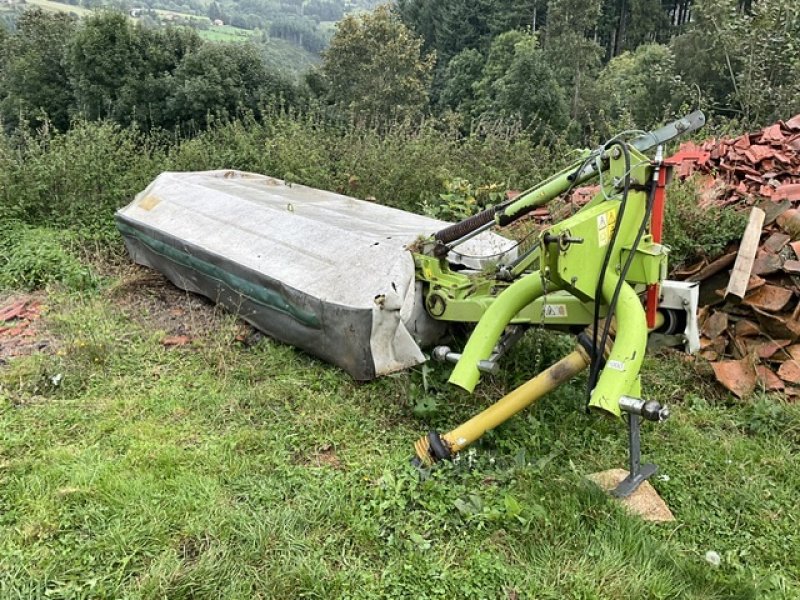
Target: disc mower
(365,286)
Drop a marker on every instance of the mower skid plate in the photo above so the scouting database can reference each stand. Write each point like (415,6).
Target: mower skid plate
(321,271)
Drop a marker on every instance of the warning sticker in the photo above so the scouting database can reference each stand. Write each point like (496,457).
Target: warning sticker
(617,365)
(605,227)
(555,310)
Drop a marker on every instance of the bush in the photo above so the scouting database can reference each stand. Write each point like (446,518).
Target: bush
(461,200)
(78,179)
(399,167)
(34,257)
(693,232)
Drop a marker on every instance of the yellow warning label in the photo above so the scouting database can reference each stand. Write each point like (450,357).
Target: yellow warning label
(149,202)
(605,227)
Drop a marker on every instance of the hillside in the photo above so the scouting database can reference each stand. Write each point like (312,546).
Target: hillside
(291,34)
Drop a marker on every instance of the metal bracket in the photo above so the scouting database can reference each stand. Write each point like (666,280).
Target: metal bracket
(636,410)
(512,335)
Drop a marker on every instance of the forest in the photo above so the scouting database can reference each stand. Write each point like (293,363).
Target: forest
(565,68)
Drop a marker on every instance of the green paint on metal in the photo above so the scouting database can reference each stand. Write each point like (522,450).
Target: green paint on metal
(253,292)
(621,373)
(482,341)
(544,192)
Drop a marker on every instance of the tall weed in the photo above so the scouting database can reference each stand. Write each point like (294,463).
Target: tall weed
(694,232)
(77,179)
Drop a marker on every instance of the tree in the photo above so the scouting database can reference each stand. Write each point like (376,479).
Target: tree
(33,81)
(461,75)
(376,70)
(744,57)
(222,80)
(530,90)
(517,82)
(572,51)
(501,56)
(528,15)
(215,12)
(642,85)
(105,56)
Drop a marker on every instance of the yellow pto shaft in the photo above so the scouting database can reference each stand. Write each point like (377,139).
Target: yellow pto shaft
(433,447)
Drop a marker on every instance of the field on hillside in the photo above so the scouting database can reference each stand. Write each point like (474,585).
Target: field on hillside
(52,6)
(153,446)
(224,33)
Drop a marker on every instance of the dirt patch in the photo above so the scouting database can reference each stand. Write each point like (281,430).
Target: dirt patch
(21,330)
(151,300)
(190,548)
(323,456)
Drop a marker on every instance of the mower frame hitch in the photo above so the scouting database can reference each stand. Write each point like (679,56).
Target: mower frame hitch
(636,410)
(587,271)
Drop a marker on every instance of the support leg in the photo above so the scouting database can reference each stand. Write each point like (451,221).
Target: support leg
(638,473)
(636,410)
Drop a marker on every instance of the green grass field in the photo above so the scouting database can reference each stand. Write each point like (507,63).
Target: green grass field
(51,6)
(225,33)
(281,55)
(230,469)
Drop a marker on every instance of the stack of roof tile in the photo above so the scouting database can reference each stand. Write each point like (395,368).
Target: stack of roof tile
(752,340)
(764,164)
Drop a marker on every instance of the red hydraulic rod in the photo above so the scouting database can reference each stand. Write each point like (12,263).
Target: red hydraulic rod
(656,230)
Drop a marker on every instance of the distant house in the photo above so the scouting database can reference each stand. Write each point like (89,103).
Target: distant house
(135,12)
(219,22)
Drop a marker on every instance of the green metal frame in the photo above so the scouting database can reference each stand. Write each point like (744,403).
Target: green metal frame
(555,285)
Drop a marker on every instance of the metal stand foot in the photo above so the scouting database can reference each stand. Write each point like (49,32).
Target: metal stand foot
(639,473)
(635,411)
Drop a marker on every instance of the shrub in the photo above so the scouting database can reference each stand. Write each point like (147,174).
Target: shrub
(33,257)
(692,231)
(461,200)
(78,179)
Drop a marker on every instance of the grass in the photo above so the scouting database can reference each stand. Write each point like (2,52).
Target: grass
(225,33)
(52,6)
(284,56)
(223,470)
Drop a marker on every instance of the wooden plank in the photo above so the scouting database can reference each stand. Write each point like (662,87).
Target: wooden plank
(737,284)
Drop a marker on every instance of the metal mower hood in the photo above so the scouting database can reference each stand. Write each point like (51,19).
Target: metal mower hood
(321,271)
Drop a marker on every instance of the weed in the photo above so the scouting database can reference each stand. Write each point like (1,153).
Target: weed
(694,232)
(461,200)
(204,472)
(32,257)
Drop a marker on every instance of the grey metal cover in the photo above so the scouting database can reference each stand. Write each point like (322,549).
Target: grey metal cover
(321,271)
